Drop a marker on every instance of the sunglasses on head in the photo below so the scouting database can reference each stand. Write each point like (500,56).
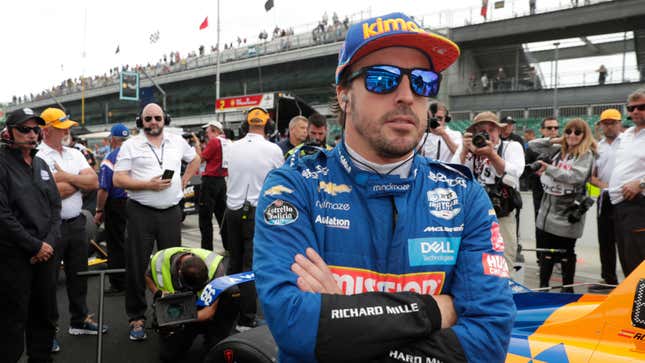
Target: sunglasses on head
(382,79)
(25,129)
(552,127)
(578,132)
(640,107)
(156,118)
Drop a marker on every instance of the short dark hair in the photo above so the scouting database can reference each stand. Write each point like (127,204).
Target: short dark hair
(317,120)
(194,273)
(547,119)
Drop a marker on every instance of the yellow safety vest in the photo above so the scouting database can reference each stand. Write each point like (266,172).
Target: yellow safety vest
(160,265)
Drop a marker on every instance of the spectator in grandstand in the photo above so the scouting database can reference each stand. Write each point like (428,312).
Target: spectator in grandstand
(441,142)
(627,186)
(497,165)
(564,180)
(484,81)
(602,74)
(605,163)
(212,193)
(249,160)
(148,167)
(500,79)
(297,134)
(73,175)
(110,209)
(532,7)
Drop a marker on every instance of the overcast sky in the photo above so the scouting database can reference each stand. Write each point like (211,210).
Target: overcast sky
(43,41)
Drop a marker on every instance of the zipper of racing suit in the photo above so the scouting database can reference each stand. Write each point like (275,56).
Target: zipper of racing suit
(395,215)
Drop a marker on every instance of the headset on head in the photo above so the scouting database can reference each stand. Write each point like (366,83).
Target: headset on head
(139,120)
(269,125)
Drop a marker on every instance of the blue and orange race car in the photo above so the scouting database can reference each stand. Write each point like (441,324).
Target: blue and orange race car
(572,328)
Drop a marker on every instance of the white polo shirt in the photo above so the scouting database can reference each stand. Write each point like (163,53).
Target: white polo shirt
(145,161)
(436,148)
(629,164)
(249,161)
(606,159)
(72,161)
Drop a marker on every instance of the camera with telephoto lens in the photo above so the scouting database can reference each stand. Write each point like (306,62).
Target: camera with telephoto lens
(434,123)
(580,206)
(480,139)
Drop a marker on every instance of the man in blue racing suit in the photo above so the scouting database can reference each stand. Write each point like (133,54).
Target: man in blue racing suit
(371,252)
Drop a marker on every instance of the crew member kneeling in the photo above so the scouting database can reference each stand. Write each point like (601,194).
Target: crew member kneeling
(181,269)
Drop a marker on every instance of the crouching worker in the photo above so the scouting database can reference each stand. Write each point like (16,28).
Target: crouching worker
(177,270)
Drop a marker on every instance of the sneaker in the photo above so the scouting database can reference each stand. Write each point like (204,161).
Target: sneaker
(137,330)
(55,346)
(89,327)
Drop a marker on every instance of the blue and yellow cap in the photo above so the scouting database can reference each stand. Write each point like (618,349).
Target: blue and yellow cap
(394,30)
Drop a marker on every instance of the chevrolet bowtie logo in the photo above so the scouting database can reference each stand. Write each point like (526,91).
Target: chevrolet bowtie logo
(334,189)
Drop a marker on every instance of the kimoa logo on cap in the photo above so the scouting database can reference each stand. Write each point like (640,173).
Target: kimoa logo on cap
(381,26)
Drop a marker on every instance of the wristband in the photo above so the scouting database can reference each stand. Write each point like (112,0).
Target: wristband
(98,211)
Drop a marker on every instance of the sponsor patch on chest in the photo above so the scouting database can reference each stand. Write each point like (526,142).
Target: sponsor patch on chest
(355,281)
(433,251)
(443,203)
(280,213)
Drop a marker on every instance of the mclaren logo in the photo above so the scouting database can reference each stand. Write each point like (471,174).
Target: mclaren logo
(277,190)
(334,189)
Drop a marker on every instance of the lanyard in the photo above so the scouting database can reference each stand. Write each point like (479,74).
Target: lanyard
(159,160)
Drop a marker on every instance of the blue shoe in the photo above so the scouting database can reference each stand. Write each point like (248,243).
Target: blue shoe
(137,330)
(55,346)
(89,327)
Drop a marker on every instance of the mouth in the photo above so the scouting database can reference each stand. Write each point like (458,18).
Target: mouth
(401,122)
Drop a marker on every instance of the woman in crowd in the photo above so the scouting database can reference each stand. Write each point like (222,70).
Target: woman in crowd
(560,220)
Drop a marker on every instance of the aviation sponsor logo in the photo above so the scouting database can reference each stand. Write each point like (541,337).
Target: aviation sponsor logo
(316,173)
(44,175)
(349,313)
(442,178)
(345,163)
(280,213)
(333,189)
(495,265)
(381,26)
(433,251)
(410,358)
(325,204)
(496,239)
(355,281)
(448,229)
(333,222)
(443,203)
(277,190)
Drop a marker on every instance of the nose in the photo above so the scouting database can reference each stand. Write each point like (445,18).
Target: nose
(404,92)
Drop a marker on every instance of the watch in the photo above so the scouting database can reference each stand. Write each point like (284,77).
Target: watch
(642,183)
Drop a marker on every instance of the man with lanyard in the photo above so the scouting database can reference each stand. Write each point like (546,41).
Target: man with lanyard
(441,142)
(316,136)
(370,252)
(212,192)
(627,187)
(297,134)
(29,231)
(110,208)
(73,175)
(181,269)
(153,201)
(249,161)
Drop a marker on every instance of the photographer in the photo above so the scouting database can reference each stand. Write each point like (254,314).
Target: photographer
(559,220)
(181,269)
(497,165)
(441,142)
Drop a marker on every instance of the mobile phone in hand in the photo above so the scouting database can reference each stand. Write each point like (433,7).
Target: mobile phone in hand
(167,174)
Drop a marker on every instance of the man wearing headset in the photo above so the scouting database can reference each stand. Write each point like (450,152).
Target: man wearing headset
(249,161)
(29,230)
(180,269)
(148,167)
(371,252)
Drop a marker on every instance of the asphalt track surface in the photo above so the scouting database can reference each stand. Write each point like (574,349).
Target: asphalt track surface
(119,349)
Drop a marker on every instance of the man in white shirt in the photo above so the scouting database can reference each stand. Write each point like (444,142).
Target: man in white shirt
(441,142)
(611,129)
(627,186)
(496,164)
(73,175)
(249,161)
(149,167)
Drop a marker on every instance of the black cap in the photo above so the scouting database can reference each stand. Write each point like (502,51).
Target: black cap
(507,120)
(21,115)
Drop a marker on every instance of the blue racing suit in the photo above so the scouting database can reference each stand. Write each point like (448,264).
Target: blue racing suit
(390,244)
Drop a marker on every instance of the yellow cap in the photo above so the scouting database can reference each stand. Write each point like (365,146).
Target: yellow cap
(610,114)
(257,116)
(57,118)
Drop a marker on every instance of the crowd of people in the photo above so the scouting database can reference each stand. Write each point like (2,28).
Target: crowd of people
(406,228)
